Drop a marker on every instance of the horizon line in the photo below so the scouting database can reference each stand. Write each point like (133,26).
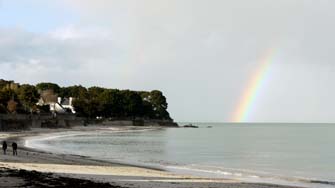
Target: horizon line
(254,122)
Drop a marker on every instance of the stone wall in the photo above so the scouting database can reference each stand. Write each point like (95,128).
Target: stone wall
(140,122)
(21,122)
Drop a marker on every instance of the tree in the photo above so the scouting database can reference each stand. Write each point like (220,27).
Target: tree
(95,92)
(48,86)
(131,103)
(44,108)
(80,105)
(91,102)
(159,104)
(85,107)
(3,109)
(110,103)
(49,96)
(28,95)
(74,91)
(6,95)
(3,83)
(11,106)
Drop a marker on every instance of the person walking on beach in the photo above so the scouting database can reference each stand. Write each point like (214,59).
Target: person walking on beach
(4,147)
(14,146)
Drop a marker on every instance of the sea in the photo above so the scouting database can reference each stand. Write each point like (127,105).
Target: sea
(279,153)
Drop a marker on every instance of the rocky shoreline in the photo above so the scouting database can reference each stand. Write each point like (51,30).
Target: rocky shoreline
(24,178)
(10,122)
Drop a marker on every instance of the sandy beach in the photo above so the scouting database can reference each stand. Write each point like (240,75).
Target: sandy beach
(32,168)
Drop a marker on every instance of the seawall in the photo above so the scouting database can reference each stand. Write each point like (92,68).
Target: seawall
(140,122)
(10,122)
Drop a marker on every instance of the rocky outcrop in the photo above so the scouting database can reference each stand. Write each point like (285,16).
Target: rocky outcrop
(190,126)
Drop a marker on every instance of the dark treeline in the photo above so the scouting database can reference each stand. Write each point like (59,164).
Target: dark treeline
(15,98)
(88,102)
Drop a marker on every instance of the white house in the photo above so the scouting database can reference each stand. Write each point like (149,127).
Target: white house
(66,103)
(60,106)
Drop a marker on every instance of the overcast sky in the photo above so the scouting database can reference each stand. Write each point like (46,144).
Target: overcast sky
(200,53)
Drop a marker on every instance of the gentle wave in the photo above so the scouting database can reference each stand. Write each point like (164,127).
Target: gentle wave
(32,142)
(250,176)
(323,182)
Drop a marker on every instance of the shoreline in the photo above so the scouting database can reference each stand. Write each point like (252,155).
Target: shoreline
(119,174)
(23,141)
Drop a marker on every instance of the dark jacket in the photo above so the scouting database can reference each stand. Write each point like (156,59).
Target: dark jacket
(4,145)
(14,145)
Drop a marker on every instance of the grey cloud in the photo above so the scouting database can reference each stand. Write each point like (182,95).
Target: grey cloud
(200,53)
(43,56)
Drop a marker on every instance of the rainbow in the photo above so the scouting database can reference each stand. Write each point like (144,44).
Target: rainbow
(253,89)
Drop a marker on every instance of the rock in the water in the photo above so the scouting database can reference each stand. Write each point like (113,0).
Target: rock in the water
(190,126)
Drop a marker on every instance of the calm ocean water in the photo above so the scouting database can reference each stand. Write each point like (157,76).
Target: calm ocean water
(277,153)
